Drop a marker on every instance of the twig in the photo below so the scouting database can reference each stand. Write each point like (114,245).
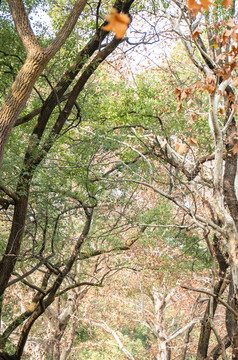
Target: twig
(215,296)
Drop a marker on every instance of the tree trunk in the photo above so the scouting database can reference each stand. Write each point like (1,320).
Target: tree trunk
(13,247)
(231,322)
(232,203)
(18,96)
(164,351)
(37,59)
(205,332)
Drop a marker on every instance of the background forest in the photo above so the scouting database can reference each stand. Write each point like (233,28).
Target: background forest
(118,187)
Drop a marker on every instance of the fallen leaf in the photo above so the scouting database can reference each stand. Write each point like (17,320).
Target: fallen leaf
(180,148)
(178,92)
(193,117)
(186,93)
(179,107)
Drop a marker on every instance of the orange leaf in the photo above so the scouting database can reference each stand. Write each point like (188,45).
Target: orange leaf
(227,3)
(196,33)
(178,92)
(118,23)
(179,108)
(210,83)
(195,7)
(234,34)
(235,149)
(180,148)
(192,141)
(193,117)
(234,108)
(206,3)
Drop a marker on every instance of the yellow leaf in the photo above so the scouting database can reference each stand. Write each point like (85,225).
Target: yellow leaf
(118,23)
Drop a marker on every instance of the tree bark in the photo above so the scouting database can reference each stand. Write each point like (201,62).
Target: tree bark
(14,242)
(37,59)
(205,331)
(163,350)
(230,197)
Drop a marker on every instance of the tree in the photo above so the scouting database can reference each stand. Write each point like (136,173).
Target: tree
(41,136)
(212,59)
(37,59)
(211,49)
(186,160)
(76,190)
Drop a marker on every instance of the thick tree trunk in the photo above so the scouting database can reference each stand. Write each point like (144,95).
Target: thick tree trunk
(37,59)
(204,338)
(217,351)
(18,95)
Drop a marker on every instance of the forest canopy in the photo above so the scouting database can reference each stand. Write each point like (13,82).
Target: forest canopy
(118,186)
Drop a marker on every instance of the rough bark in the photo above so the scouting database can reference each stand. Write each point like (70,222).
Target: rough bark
(216,352)
(42,304)
(37,59)
(14,242)
(219,288)
(230,173)
(31,163)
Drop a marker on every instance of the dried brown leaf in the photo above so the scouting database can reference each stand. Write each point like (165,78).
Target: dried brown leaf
(235,149)
(192,142)
(180,148)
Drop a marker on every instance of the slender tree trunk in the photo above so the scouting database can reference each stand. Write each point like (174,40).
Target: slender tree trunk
(164,351)
(219,287)
(13,248)
(232,203)
(231,322)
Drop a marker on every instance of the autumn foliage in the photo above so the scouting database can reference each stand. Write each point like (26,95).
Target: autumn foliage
(196,7)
